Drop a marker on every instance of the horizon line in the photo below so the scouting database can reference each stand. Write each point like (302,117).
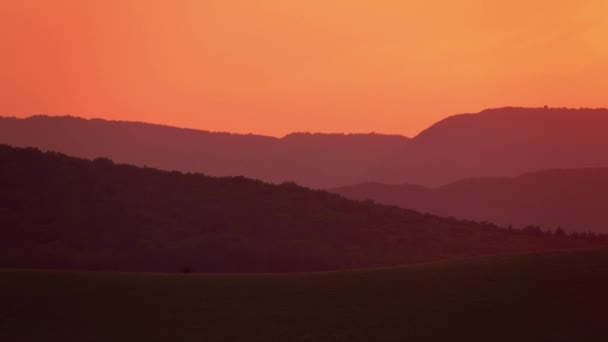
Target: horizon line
(279,137)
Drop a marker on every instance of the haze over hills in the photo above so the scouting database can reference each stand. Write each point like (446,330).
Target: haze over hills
(494,143)
(318,160)
(500,143)
(574,199)
(62,212)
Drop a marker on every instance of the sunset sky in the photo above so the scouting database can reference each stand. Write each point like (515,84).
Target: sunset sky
(276,66)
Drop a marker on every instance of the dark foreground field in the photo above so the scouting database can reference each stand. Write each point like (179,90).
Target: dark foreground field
(550,297)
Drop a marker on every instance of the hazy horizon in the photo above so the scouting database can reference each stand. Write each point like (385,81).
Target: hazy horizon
(281,136)
(273,67)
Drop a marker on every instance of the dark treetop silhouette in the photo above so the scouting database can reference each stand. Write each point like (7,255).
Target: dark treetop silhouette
(63,212)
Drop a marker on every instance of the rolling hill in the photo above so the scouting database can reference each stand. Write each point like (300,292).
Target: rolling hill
(572,199)
(66,213)
(500,142)
(503,142)
(548,297)
(317,160)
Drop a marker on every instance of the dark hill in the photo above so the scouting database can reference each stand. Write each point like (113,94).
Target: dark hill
(524,298)
(573,199)
(62,212)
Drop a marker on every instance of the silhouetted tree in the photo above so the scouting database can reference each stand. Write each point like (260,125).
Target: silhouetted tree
(103,161)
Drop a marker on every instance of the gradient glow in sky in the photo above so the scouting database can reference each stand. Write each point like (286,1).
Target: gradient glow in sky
(276,66)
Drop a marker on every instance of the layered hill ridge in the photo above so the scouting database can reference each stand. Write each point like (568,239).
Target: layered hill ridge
(574,199)
(500,143)
(62,212)
(494,143)
(318,160)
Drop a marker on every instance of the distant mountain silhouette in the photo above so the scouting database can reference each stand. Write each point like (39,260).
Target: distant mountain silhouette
(494,143)
(318,160)
(63,212)
(574,199)
(499,143)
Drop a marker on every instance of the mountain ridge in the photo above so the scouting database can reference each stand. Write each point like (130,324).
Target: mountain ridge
(317,160)
(572,199)
(500,142)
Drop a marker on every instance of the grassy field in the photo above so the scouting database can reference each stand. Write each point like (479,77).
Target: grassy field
(549,297)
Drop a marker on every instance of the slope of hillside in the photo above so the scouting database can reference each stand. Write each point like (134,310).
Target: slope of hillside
(316,160)
(572,199)
(500,143)
(62,212)
(551,297)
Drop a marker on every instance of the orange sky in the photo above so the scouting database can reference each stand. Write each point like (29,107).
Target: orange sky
(275,66)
